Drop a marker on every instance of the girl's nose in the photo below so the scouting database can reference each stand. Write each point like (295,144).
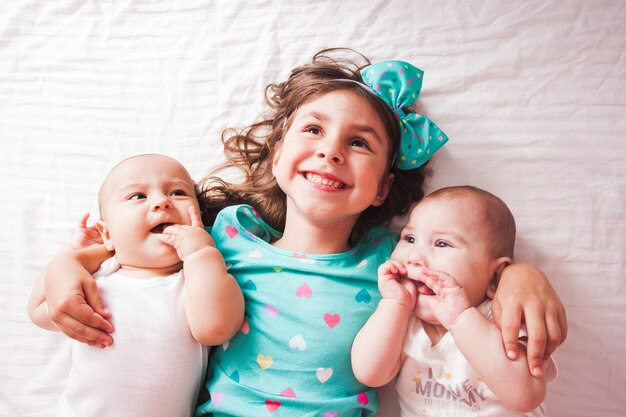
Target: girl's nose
(331,152)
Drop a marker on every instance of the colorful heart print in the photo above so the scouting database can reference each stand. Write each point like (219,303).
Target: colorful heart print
(297,342)
(272,405)
(324,374)
(264,361)
(231,231)
(332,319)
(288,392)
(304,291)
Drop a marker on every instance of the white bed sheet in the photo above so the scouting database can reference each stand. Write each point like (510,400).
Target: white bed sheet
(532,95)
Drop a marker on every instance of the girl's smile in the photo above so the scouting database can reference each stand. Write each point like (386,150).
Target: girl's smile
(325,181)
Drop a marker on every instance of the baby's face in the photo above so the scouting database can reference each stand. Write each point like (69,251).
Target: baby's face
(447,234)
(142,196)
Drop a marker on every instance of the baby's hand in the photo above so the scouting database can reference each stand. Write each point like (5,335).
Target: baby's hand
(84,235)
(450,299)
(187,239)
(394,285)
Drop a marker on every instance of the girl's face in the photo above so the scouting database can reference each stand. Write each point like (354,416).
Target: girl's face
(332,162)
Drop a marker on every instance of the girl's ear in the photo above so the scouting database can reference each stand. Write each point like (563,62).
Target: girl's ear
(500,264)
(276,157)
(106,236)
(383,190)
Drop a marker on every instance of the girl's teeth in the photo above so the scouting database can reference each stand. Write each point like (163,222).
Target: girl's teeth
(317,179)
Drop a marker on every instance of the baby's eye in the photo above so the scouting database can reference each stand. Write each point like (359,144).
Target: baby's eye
(442,244)
(359,143)
(136,196)
(409,239)
(178,193)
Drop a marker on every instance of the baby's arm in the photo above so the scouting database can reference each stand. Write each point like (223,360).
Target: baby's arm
(214,303)
(524,295)
(377,348)
(480,342)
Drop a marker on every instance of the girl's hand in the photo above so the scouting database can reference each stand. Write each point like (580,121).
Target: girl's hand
(187,239)
(450,298)
(524,295)
(74,303)
(85,235)
(394,285)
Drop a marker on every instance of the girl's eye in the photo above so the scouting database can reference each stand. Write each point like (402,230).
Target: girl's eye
(360,143)
(409,239)
(136,196)
(442,244)
(314,130)
(178,193)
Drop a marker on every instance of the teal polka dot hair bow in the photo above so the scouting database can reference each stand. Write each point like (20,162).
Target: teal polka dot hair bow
(398,84)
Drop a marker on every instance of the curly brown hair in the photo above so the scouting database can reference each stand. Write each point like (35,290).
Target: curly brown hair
(251,150)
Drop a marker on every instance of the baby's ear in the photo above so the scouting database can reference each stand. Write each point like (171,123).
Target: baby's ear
(499,264)
(106,236)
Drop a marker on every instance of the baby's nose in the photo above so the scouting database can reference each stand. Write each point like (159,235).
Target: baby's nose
(161,203)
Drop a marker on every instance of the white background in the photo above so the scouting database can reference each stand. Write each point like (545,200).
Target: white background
(532,95)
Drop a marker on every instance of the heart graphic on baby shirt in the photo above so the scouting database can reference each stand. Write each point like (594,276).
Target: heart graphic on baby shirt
(278,269)
(304,291)
(331,319)
(297,342)
(272,405)
(324,374)
(231,231)
(331,414)
(288,392)
(363,296)
(272,311)
(264,361)
(217,398)
(254,254)
(362,398)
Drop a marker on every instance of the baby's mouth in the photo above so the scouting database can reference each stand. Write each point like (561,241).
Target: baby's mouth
(158,229)
(423,289)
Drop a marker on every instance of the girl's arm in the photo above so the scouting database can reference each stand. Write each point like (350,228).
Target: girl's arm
(214,303)
(74,302)
(480,342)
(524,295)
(37,310)
(377,349)
(84,236)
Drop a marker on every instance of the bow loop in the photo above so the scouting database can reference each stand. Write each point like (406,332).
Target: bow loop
(398,84)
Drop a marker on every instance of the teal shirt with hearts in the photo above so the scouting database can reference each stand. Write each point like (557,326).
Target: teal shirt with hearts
(291,357)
